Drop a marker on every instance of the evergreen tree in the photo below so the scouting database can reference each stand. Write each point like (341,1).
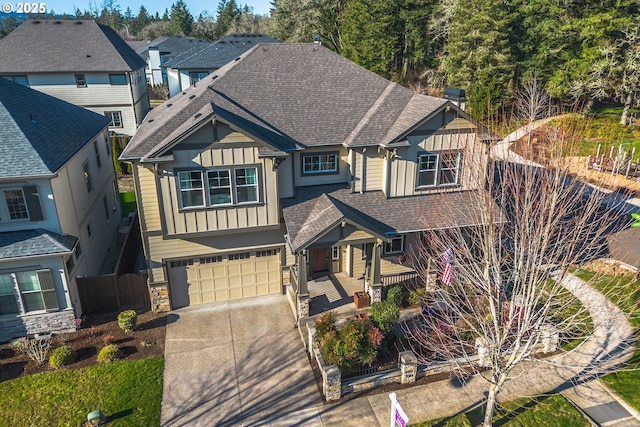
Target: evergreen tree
(140,21)
(181,19)
(228,12)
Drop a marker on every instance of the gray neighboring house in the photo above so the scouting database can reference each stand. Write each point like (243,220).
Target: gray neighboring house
(159,51)
(58,208)
(81,62)
(190,67)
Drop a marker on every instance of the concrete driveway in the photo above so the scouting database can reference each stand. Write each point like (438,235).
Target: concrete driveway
(237,364)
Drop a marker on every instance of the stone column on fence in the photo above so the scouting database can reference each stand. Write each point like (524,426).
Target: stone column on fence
(331,383)
(550,337)
(408,366)
(482,348)
(311,332)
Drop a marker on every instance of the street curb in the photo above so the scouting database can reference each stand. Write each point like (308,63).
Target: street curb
(630,409)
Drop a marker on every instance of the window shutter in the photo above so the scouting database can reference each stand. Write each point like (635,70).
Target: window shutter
(48,288)
(32,198)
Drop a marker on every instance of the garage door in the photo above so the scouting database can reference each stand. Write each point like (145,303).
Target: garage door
(224,277)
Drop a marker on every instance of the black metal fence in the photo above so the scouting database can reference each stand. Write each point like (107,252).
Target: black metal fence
(374,369)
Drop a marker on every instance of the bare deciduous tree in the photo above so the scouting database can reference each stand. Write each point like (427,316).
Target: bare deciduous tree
(506,298)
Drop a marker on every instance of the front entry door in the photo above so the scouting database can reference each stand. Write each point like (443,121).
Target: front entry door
(319,260)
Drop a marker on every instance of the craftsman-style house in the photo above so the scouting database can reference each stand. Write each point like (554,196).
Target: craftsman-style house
(81,62)
(59,208)
(292,160)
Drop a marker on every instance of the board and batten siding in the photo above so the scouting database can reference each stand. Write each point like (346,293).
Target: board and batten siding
(148,205)
(196,220)
(368,169)
(403,168)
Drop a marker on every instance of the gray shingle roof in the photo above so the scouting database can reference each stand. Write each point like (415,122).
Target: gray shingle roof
(25,243)
(214,55)
(40,133)
(40,46)
(292,96)
(169,47)
(316,208)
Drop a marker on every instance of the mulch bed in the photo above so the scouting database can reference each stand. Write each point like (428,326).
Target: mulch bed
(147,340)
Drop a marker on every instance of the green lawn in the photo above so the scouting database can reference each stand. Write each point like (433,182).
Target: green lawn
(128,392)
(544,411)
(625,293)
(128,202)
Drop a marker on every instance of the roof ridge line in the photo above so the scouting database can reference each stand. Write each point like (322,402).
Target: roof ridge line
(370,113)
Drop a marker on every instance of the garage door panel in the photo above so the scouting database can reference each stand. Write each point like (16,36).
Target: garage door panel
(222,278)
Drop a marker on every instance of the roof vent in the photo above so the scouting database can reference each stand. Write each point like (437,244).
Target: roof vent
(88,56)
(197,115)
(57,22)
(169,105)
(215,76)
(35,22)
(192,96)
(78,22)
(151,120)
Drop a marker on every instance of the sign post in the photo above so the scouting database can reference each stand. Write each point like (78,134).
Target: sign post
(398,417)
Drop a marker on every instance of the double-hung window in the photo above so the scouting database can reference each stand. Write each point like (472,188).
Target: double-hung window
(435,169)
(191,189)
(36,291)
(246,185)
(80,80)
(219,187)
(320,163)
(118,79)
(116,118)
(16,205)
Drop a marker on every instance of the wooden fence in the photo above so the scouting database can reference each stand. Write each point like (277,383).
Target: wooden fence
(124,289)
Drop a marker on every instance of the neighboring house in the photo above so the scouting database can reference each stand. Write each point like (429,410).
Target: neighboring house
(161,50)
(59,208)
(81,62)
(292,161)
(190,67)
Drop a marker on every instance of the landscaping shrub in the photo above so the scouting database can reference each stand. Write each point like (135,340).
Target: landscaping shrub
(394,294)
(325,323)
(127,320)
(416,296)
(62,356)
(109,353)
(35,348)
(354,343)
(385,315)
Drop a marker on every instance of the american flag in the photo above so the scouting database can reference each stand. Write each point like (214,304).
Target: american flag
(447,268)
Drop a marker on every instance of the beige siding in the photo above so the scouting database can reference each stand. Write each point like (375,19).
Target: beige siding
(161,249)
(373,169)
(358,263)
(147,197)
(343,175)
(227,153)
(358,171)
(285,178)
(404,166)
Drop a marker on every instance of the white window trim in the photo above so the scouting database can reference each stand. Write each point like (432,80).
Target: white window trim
(5,206)
(113,124)
(335,253)
(439,169)
(182,190)
(256,185)
(320,172)
(230,187)
(204,174)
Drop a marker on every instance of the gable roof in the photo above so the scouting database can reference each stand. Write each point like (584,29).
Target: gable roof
(208,56)
(40,133)
(314,210)
(26,243)
(170,46)
(291,96)
(40,46)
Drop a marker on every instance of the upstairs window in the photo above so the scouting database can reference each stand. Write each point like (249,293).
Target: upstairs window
(246,185)
(223,187)
(16,204)
(319,163)
(87,176)
(219,187)
(80,80)
(116,118)
(21,80)
(191,189)
(435,169)
(96,150)
(118,79)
